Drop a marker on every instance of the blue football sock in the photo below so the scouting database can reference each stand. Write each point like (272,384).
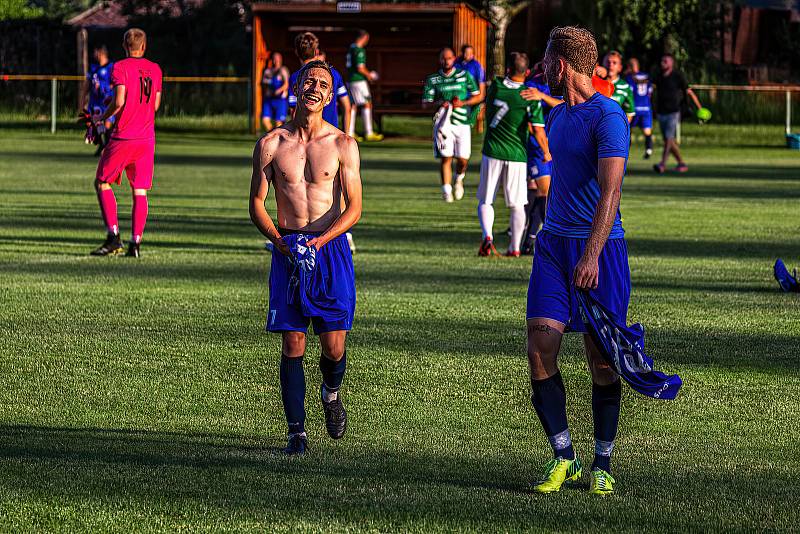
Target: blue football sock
(293,393)
(549,399)
(605,410)
(648,142)
(332,372)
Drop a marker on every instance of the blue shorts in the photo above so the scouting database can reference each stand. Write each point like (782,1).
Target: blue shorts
(275,108)
(551,294)
(324,295)
(538,167)
(99,107)
(643,119)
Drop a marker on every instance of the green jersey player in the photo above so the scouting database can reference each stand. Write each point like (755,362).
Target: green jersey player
(358,78)
(623,92)
(509,116)
(454,92)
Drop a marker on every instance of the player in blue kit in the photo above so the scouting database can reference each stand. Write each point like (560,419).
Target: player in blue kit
(311,165)
(642,95)
(468,62)
(580,248)
(97,94)
(539,167)
(275,92)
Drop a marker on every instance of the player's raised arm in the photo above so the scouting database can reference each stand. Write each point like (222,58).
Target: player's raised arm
(350,179)
(259,188)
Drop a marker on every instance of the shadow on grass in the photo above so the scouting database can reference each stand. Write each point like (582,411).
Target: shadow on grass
(766,172)
(218,160)
(245,479)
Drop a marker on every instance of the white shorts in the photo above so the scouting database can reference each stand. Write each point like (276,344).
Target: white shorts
(359,92)
(458,143)
(513,174)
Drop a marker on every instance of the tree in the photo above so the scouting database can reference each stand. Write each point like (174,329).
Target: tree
(19,9)
(500,13)
(622,22)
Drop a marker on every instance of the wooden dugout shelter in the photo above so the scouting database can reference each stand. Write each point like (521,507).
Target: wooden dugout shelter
(405,39)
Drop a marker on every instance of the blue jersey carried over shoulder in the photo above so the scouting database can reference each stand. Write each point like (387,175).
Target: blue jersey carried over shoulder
(331,111)
(579,136)
(474,67)
(642,90)
(100,89)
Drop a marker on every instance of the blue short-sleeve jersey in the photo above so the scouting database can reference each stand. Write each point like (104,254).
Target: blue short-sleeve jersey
(578,136)
(474,67)
(99,77)
(642,90)
(331,111)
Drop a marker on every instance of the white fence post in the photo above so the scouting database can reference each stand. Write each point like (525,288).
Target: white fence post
(53,102)
(788,112)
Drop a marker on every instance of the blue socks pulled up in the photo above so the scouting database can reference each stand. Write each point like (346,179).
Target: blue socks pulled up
(549,399)
(293,393)
(605,411)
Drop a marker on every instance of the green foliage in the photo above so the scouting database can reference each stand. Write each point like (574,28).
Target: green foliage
(19,9)
(619,22)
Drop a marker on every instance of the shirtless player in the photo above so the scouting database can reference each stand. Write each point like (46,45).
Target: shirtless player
(311,165)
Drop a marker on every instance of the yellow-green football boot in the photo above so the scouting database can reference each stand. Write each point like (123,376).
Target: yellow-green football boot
(556,472)
(602,483)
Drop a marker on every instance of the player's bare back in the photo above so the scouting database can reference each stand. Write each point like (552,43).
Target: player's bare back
(305,176)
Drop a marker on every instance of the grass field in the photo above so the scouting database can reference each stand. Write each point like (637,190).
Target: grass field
(144,394)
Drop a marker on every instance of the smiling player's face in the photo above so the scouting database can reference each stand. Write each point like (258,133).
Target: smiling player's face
(316,89)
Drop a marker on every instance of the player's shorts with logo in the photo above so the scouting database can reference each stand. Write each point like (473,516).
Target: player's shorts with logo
(643,118)
(457,143)
(275,109)
(359,92)
(134,156)
(97,107)
(323,294)
(551,292)
(537,166)
(512,174)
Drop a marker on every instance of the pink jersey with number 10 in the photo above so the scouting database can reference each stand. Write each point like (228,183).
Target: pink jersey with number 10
(142,80)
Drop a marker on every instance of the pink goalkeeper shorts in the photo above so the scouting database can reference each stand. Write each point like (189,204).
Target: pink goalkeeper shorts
(134,156)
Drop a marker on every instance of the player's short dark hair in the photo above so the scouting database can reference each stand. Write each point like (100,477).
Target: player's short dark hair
(464,48)
(316,64)
(101,48)
(576,46)
(361,33)
(306,45)
(518,63)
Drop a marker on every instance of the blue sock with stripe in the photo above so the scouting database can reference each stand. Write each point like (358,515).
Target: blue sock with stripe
(549,399)
(605,412)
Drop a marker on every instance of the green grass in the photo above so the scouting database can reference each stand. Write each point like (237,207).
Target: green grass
(144,394)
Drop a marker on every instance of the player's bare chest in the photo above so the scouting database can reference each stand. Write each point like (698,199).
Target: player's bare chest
(309,163)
